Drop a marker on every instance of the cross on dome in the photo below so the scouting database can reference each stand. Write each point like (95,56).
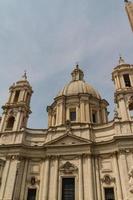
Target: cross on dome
(24,77)
(121,60)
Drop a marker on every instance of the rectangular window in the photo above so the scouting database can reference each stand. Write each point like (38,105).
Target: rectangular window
(73,114)
(68,189)
(109,193)
(31,194)
(127,80)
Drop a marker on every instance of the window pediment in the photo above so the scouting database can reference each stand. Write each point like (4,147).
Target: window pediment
(68,167)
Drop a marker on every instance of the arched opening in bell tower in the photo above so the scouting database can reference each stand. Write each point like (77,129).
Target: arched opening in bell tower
(10,123)
(127,80)
(131,109)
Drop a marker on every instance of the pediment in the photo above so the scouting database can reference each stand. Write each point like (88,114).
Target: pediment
(67,140)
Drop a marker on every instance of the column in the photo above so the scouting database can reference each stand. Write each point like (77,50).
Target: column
(49,119)
(17,121)
(3,122)
(53,120)
(67,114)
(23,184)
(61,114)
(4,179)
(87,113)
(104,116)
(123,109)
(81,195)
(117,175)
(98,183)
(55,195)
(82,111)
(12,97)
(90,178)
(77,114)
(19,176)
(57,115)
(116,84)
(22,95)
(11,177)
(46,180)
(41,180)
(123,173)
(98,116)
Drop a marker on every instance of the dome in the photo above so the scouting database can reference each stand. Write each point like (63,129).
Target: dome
(78,86)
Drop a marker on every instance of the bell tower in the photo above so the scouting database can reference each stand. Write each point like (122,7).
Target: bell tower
(16,111)
(122,77)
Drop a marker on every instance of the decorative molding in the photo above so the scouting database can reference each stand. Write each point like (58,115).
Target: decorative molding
(69,157)
(107,179)
(68,168)
(33,181)
(15,157)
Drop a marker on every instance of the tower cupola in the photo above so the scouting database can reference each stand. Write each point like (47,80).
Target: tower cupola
(122,77)
(17,108)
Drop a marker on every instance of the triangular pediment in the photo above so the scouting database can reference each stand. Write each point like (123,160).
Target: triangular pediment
(67,139)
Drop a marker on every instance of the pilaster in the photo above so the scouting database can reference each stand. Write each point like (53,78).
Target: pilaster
(123,173)
(46,179)
(81,189)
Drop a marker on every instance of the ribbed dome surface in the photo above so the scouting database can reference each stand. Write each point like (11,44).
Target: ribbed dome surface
(77,87)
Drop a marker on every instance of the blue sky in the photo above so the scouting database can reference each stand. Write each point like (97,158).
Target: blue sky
(47,38)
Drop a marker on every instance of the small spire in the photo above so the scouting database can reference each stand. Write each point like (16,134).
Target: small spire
(121,60)
(24,75)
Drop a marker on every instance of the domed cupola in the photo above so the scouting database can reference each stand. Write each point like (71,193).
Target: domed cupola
(78,102)
(78,86)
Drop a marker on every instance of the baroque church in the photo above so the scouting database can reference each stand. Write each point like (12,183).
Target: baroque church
(81,155)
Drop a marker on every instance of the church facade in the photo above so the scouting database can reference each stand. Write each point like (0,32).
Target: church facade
(81,155)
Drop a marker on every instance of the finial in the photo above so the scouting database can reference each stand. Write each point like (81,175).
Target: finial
(126,1)
(77,65)
(24,75)
(121,60)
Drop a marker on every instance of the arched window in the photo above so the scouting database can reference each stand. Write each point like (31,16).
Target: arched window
(127,80)
(16,97)
(94,116)
(131,109)
(10,123)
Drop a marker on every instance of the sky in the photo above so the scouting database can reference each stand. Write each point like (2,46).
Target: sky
(46,38)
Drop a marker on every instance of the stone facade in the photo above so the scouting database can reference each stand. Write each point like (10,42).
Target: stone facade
(81,151)
(129,10)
